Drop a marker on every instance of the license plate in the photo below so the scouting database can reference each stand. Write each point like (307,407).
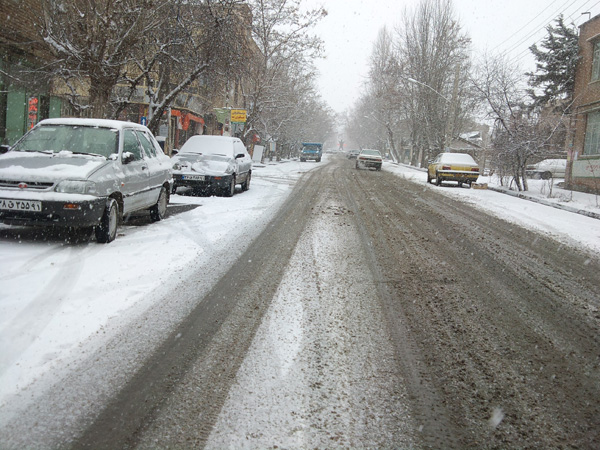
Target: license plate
(194,177)
(20,205)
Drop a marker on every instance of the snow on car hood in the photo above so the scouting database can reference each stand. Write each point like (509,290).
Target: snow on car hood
(213,165)
(37,166)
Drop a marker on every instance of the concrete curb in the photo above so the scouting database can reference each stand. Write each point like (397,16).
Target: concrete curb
(531,198)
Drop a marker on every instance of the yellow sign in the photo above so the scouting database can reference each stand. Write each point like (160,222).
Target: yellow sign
(238,115)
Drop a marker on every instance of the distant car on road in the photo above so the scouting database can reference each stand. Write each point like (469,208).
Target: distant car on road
(369,158)
(212,164)
(459,167)
(84,173)
(548,168)
(352,154)
(311,150)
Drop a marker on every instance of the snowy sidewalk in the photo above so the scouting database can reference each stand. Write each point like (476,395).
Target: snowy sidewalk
(540,191)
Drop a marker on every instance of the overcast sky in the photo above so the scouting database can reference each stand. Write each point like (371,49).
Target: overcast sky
(351,27)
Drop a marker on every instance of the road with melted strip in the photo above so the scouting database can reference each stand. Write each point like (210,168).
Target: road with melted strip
(375,312)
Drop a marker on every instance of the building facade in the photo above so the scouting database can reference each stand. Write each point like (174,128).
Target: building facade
(24,98)
(583,169)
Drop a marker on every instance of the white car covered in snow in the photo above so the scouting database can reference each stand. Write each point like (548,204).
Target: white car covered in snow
(212,164)
(548,168)
(84,173)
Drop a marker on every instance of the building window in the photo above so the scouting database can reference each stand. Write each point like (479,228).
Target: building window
(592,134)
(596,62)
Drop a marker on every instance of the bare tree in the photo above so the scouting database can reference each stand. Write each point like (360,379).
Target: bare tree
(281,30)
(203,38)
(299,114)
(382,88)
(94,42)
(116,48)
(434,61)
(520,132)
(368,126)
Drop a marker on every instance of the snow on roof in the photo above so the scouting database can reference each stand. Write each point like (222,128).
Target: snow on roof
(471,135)
(104,123)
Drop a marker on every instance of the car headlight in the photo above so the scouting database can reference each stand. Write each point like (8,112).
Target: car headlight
(176,166)
(76,187)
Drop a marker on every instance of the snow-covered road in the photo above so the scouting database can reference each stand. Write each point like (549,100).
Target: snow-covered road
(320,372)
(61,303)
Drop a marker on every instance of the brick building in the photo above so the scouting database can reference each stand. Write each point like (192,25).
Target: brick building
(583,170)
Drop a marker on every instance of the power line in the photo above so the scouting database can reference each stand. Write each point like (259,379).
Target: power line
(545,22)
(584,7)
(523,27)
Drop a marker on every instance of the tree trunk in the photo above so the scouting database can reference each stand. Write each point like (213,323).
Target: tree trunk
(99,97)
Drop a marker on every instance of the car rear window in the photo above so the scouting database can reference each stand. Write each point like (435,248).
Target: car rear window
(457,158)
(371,152)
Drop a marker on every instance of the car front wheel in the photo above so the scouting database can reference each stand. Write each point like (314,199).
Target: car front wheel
(438,180)
(106,231)
(158,211)
(246,184)
(230,189)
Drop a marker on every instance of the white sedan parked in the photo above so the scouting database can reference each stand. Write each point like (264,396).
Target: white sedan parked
(84,173)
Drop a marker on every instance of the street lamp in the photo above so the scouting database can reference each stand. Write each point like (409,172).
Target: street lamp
(451,103)
(412,80)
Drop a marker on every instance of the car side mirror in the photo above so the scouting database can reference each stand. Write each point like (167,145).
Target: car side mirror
(174,151)
(127,157)
(4,149)
(239,155)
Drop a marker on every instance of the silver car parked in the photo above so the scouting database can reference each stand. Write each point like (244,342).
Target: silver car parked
(84,173)
(212,164)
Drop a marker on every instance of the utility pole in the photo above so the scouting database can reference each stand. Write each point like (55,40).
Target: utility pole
(451,119)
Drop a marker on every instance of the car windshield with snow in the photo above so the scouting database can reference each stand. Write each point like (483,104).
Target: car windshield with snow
(83,174)
(212,164)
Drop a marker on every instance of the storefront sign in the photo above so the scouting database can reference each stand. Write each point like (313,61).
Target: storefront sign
(32,112)
(238,115)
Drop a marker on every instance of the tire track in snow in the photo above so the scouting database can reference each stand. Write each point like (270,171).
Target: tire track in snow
(31,321)
(319,372)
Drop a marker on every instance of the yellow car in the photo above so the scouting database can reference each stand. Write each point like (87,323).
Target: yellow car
(460,167)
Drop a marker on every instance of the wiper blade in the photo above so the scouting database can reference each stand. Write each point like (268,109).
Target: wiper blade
(89,154)
(46,152)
